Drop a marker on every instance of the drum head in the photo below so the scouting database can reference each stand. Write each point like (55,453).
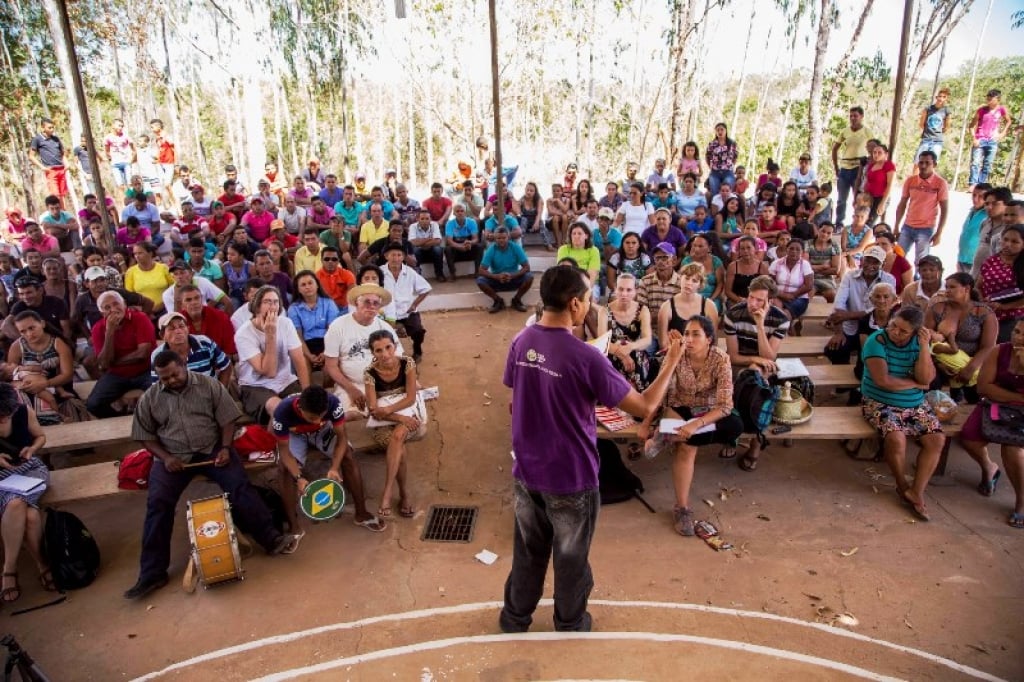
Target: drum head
(323,499)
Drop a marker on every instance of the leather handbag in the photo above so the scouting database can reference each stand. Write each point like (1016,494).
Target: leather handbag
(1002,424)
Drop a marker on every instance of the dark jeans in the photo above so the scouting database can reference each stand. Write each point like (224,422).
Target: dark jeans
(165,488)
(414,327)
(453,256)
(846,180)
(433,255)
(560,527)
(841,355)
(109,388)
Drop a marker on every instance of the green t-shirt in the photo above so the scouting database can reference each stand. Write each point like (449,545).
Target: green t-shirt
(327,238)
(586,259)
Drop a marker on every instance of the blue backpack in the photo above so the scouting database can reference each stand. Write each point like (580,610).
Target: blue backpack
(755,400)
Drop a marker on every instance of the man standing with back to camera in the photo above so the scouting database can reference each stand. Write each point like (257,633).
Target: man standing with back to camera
(551,372)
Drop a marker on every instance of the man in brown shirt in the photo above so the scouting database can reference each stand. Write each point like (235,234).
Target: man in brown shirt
(188,418)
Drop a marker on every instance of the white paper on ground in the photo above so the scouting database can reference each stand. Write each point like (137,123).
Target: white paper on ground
(671,426)
(430,393)
(486,556)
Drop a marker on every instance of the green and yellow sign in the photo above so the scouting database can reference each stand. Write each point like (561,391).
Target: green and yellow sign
(323,499)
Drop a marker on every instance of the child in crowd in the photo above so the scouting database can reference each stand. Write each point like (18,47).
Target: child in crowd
(741,182)
(770,224)
(803,228)
(558,215)
(779,250)
(750,229)
(765,196)
(689,162)
(771,175)
(822,206)
(701,222)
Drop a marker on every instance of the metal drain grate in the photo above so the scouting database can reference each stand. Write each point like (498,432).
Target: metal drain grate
(450,524)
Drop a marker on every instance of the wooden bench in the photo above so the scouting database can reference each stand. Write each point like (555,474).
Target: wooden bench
(832,376)
(818,309)
(92,434)
(835,423)
(94,481)
(796,346)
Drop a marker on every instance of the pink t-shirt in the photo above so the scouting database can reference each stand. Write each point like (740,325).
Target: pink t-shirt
(259,225)
(790,280)
(125,239)
(924,196)
(988,122)
(761,244)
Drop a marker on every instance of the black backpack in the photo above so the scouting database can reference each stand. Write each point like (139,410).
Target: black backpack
(617,482)
(755,400)
(275,504)
(71,550)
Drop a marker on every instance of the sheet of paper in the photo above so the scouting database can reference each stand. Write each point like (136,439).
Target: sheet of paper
(16,483)
(486,556)
(601,342)
(790,368)
(670,426)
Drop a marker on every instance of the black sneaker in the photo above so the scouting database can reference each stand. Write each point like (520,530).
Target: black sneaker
(518,305)
(145,586)
(497,306)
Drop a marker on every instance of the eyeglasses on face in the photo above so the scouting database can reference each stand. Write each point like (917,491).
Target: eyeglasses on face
(329,259)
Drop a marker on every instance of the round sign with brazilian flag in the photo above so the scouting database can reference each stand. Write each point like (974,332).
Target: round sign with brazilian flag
(323,499)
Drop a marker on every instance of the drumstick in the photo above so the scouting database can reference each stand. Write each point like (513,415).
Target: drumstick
(192,465)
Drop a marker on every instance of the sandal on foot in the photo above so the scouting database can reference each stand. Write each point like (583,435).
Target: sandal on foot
(5,593)
(728,452)
(46,580)
(988,488)
(683,521)
(407,511)
(372,524)
(748,463)
(385,512)
(1016,520)
(920,511)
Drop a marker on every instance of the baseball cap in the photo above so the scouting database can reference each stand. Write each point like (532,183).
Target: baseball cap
(390,171)
(197,188)
(666,248)
(167,318)
(256,200)
(95,272)
(876,252)
(934,261)
(360,175)
(277,224)
(663,210)
(178,265)
(606,212)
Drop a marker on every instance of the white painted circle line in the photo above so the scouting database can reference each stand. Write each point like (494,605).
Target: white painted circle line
(496,605)
(569,636)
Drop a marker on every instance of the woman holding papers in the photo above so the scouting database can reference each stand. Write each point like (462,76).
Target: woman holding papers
(20,519)
(700,393)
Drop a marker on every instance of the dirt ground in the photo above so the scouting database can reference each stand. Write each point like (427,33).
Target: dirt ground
(815,533)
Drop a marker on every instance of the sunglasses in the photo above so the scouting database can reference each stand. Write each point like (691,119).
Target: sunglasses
(330,259)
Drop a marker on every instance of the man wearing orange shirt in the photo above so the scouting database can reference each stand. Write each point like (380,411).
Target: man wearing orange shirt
(925,205)
(335,279)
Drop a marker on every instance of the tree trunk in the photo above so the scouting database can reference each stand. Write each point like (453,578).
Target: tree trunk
(945,16)
(256,146)
(410,114)
(196,125)
(289,133)
(60,50)
(360,157)
(814,123)
(277,121)
(428,133)
(36,72)
(844,64)
(682,11)
(743,77)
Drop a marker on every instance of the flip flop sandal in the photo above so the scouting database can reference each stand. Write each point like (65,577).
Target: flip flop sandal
(7,591)
(46,580)
(728,452)
(372,524)
(385,512)
(988,488)
(748,463)
(1016,520)
(919,510)
(407,512)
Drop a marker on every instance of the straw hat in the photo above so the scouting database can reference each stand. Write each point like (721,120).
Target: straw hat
(363,289)
(791,408)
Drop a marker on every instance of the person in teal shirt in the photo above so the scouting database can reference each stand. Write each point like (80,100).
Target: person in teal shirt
(898,369)
(511,224)
(971,231)
(505,267)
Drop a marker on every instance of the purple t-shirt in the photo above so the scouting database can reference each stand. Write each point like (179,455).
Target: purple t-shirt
(650,238)
(556,382)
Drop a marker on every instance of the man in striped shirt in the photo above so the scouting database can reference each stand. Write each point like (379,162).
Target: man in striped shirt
(202,355)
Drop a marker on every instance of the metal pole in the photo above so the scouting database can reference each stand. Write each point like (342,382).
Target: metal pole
(496,104)
(83,111)
(901,75)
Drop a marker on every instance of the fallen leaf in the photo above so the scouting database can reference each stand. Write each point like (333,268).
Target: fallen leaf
(846,619)
(978,648)
(875,489)
(709,503)
(476,357)
(849,552)
(487,403)
(487,395)
(723,496)
(763,517)
(811,596)
(150,607)
(131,635)
(907,623)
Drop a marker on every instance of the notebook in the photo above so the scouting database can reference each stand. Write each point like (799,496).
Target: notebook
(16,483)
(790,368)
(670,426)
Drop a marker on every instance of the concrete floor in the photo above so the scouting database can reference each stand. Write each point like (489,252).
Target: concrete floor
(936,601)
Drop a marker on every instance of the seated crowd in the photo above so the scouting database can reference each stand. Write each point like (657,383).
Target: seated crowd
(287,306)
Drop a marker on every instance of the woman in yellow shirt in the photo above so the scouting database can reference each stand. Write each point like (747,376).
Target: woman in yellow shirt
(148,277)
(582,250)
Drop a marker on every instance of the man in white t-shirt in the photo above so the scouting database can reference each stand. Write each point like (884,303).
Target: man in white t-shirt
(347,345)
(636,214)
(183,275)
(271,365)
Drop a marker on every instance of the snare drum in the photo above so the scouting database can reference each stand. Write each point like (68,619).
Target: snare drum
(214,543)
